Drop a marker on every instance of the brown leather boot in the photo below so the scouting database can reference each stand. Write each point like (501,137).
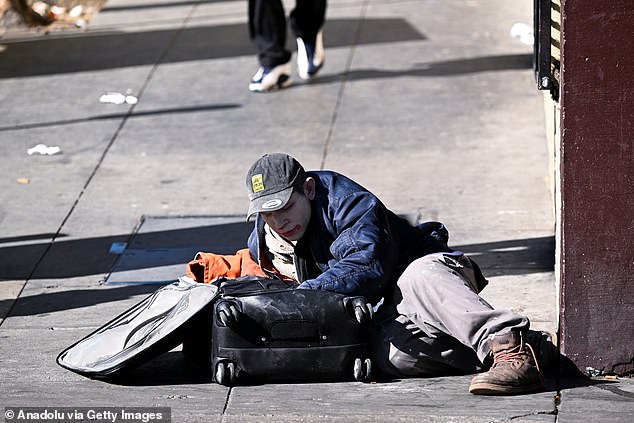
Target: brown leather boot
(514,369)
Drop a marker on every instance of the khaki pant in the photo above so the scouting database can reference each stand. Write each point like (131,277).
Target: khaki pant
(435,323)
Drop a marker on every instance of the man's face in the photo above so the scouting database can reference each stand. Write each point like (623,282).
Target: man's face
(292,220)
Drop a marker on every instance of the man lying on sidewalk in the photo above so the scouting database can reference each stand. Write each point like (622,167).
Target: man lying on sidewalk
(325,231)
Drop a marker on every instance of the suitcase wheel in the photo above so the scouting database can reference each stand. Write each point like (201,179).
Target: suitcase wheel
(227,313)
(362,369)
(358,308)
(225,373)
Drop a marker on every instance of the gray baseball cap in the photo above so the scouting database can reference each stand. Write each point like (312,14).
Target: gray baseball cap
(270,182)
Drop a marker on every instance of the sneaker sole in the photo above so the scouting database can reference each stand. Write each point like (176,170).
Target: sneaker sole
(284,81)
(309,76)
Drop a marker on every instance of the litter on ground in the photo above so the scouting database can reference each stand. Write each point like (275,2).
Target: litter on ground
(44,150)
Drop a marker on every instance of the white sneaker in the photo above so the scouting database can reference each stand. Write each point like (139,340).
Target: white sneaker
(270,79)
(310,56)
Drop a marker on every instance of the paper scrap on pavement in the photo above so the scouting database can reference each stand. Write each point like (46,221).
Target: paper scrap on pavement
(524,33)
(44,150)
(118,98)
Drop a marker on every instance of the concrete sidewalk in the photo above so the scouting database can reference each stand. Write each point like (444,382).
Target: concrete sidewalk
(430,104)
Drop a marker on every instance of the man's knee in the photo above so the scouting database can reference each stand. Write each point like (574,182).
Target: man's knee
(421,271)
(436,268)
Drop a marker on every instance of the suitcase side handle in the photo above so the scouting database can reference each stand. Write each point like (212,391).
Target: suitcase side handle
(358,308)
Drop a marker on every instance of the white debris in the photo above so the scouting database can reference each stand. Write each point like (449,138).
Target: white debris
(44,150)
(523,32)
(118,98)
(40,8)
(76,11)
(57,10)
(113,98)
(130,99)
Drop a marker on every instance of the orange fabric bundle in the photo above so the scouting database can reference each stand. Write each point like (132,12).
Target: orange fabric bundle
(207,267)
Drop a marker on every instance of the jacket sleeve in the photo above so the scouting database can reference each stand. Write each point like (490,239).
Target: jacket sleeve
(365,249)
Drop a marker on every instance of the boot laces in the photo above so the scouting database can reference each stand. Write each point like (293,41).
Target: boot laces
(517,353)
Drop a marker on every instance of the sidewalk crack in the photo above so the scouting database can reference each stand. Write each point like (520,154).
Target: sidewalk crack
(224,408)
(344,80)
(537,413)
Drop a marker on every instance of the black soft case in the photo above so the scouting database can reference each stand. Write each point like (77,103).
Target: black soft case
(154,326)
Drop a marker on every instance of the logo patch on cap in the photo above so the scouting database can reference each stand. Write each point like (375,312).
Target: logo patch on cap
(257,183)
(271,204)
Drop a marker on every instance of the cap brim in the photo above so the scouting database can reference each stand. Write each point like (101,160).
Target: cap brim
(270,202)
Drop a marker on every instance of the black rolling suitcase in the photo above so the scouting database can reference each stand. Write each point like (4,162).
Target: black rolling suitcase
(270,332)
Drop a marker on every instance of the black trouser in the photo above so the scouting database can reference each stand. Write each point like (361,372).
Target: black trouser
(267,27)
(435,323)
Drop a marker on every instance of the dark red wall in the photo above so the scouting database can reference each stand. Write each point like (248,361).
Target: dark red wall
(597,184)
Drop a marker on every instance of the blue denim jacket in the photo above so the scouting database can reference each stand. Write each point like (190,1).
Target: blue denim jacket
(353,244)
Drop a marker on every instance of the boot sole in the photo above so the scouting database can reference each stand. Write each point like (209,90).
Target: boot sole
(491,389)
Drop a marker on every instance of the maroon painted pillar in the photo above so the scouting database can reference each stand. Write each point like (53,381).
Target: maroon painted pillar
(597,184)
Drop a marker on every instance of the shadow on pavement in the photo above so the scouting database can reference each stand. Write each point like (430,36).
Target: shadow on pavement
(73,299)
(513,257)
(90,256)
(27,237)
(161,5)
(437,69)
(171,368)
(564,374)
(174,368)
(447,68)
(74,258)
(133,115)
(79,52)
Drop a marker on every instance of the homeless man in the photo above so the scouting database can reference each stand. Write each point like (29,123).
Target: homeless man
(325,231)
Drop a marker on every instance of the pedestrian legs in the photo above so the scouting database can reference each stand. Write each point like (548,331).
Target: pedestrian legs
(267,27)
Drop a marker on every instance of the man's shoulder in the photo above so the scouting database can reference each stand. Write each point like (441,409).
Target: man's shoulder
(324,174)
(333,180)
(334,190)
